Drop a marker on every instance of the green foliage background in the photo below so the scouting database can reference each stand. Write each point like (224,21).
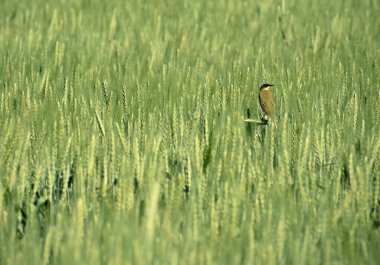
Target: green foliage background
(123,138)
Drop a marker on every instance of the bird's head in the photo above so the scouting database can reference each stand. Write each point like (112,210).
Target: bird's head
(265,86)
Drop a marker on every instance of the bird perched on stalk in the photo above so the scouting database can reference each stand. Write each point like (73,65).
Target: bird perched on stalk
(266,102)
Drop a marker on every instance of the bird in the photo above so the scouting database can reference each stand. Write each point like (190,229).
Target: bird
(266,102)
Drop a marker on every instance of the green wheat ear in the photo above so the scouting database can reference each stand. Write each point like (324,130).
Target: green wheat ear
(100,123)
(124,138)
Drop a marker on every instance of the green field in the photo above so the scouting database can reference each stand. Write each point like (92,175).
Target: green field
(123,138)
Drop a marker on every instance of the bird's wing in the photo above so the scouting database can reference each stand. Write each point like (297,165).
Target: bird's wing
(262,104)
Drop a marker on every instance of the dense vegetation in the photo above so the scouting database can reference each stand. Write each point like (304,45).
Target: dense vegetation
(123,138)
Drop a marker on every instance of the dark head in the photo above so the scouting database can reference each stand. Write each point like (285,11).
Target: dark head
(263,86)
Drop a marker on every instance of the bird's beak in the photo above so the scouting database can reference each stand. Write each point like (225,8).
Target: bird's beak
(271,85)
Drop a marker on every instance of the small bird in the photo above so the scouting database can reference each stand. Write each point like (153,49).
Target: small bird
(266,102)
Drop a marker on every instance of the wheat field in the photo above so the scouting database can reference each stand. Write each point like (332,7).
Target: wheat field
(123,138)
